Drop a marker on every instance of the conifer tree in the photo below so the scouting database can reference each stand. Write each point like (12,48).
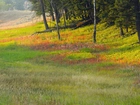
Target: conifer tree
(137,11)
(125,15)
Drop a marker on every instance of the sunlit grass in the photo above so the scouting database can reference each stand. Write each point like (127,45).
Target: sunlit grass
(105,35)
(79,55)
(41,70)
(24,31)
(30,82)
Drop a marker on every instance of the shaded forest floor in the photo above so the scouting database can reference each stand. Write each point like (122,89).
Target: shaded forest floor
(42,70)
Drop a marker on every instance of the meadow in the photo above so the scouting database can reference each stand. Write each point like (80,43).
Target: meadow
(42,70)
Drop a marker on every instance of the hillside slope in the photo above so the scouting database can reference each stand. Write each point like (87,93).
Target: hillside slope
(42,70)
(78,44)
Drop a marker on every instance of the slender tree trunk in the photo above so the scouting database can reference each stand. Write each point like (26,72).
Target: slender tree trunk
(44,16)
(121,31)
(64,16)
(126,29)
(94,31)
(138,25)
(137,9)
(58,32)
(66,13)
(56,15)
(51,13)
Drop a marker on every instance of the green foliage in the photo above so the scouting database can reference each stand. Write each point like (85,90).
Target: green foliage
(125,19)
(121,13)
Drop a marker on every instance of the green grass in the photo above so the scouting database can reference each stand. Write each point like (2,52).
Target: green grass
(32,76)
(31,82)
(80,55)
(15,53)
(17,32)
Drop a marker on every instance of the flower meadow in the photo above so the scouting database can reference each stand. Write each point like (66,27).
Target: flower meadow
(110,45)
(39,69)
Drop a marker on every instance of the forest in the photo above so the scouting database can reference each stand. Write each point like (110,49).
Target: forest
(125,14)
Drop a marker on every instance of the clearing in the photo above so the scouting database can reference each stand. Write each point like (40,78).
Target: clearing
(42,70)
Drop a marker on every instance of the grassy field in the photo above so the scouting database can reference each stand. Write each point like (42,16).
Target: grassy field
(41,70)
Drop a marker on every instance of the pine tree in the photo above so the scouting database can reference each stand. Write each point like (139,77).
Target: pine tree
(125,15)
(137,12)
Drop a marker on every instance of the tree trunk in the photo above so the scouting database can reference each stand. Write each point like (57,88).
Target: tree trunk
(52,14)
(94,31)
(56,15)
(137,9)
(138,25)
(64,16)
(58,33)
(126,29)
(44,16)
(66,13)
(121,31)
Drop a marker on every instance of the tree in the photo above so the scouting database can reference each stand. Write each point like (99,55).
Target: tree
(56,15)
(39,7)
(122,13)
(105,11)
(117,12)
(125,15)
(43,13)
(94,32)
(137,11)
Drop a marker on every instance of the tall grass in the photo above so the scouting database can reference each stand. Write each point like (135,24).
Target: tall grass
(40,70)
(29,81)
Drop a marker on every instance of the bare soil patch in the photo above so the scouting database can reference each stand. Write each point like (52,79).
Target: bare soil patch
(16,18)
